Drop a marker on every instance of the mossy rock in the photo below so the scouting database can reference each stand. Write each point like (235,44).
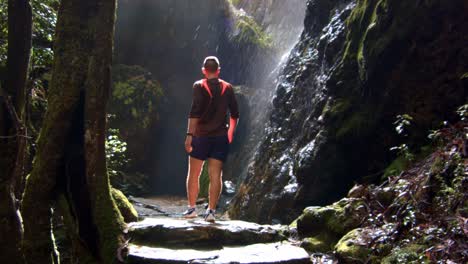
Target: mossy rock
(336,219)
(396,167)
(352,248)
(357,191)
(385,196)
(125,207)
(320,243)
(293,224)
(411,254)
(248,31)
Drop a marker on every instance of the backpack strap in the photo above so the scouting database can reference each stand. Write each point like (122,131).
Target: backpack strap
(204,83)
(224,86)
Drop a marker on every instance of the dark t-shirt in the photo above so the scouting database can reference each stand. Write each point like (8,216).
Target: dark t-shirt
(212,111)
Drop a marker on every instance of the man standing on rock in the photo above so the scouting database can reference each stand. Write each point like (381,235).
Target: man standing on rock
(208,135)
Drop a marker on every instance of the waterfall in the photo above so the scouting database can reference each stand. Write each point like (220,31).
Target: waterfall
(283,21)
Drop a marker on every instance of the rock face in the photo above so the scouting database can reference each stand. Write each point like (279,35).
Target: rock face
(180,241)
(356,67)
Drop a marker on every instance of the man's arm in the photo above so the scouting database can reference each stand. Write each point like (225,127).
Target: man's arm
(234,111)
(191,128)
(196,112)
(232,128)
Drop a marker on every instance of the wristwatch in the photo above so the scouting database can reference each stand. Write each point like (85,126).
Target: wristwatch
(189,134)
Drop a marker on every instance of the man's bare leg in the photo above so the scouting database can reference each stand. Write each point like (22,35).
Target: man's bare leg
(193,175)
(214,171)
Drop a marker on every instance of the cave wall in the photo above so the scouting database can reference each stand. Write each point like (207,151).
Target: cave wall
(357,66)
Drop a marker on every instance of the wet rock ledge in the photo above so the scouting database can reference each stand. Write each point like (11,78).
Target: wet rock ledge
(163,240)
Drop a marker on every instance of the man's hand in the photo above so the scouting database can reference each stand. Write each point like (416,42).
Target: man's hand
(232,129)
(230,135)
(188,144)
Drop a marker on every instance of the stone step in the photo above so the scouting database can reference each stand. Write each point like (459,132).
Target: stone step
(199,233)
(279,252)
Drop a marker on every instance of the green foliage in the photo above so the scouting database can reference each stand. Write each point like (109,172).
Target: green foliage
(44,21)
(115,152)
(135,96)
(133,109)
(462,111)
(204,181)
(3,32)
(402,122)
(405,156)
(117,165)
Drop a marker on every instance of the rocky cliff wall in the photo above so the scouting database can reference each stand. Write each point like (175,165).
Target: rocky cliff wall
(356,67)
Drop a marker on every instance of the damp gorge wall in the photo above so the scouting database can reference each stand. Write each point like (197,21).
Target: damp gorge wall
(357,65)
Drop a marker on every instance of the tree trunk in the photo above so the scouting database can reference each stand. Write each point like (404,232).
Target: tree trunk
(70,161)
(12,129)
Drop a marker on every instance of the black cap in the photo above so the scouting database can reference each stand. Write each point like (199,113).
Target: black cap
(211,64)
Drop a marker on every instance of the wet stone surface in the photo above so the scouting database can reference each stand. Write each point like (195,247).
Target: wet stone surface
(165,237)
(199,233)
(280,252)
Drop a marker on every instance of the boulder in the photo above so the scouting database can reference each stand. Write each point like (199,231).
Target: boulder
(353,247)
(193,233)
(336,219)
(280,252)
(412,253)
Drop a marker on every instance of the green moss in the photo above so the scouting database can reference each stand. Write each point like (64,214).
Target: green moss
(249,32)
(204,181)
(352,248)
(410,254)
(293,224)
(357,124)
(396,167)
(358,22)
(125,207)
(371,31)
(320,243)
(337,108)
(235,2)
(336,219)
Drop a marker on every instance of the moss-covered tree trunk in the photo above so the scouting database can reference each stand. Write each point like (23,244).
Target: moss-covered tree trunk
(12,131)
(70,163)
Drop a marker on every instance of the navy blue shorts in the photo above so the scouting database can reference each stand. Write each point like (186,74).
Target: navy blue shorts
(216,147)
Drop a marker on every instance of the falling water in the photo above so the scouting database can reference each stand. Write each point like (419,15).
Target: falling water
(283,21)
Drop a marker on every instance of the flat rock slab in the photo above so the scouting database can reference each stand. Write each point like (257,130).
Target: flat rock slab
(199,233)
(279,252)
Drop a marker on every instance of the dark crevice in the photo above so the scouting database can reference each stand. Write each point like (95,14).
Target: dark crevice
(74,184)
